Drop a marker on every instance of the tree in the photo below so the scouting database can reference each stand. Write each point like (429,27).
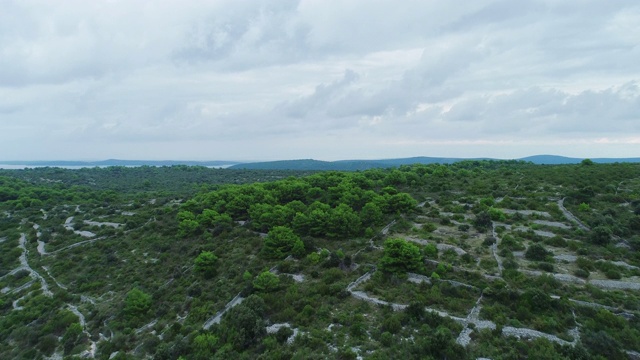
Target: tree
(281,242)
(600,235)
(400,256)
(205,264)
(536,252)
(482,221)
(188,228)
(371,214)
(244,325)
(72,337)
(204,346)
(136,304)
(343,222)
(401,203)
(266,281)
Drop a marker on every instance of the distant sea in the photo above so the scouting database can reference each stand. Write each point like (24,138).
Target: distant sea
(72,167)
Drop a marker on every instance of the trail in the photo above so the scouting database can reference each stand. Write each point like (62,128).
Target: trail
(97,223)
(46,269)
(464,337)
(218,316)
(147,326)
(275,327)
(383,232)
(69,226)
(24,265)
(494,248)
(570,216)
(76,245)
(472,318)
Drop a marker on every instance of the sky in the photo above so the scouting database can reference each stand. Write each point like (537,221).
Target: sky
(322,79)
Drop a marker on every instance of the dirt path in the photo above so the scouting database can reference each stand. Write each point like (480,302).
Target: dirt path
(473,318)
(69,226)
(217,317)
(464,337)
(97,223)
(76,245)
(570,216)
(93,346)
(24,265)
(494,248)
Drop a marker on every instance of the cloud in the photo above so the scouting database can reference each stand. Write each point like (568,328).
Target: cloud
(368,77)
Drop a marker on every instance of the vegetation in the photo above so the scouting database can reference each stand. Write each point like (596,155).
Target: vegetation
(197,263)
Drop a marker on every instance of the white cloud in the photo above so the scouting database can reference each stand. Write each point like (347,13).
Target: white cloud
(312,78)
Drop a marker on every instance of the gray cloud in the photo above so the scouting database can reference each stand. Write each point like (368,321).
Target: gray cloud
(331,79)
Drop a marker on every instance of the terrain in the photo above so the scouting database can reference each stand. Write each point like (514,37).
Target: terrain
(304,164)
(475,259)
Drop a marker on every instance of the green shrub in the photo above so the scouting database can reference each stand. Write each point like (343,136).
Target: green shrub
(582,273)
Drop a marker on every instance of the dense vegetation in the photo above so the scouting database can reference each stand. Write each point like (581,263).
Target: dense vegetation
(465,260)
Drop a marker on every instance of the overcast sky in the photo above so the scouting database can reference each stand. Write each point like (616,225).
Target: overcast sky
(323,79)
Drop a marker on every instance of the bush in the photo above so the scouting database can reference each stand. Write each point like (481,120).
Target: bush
(205,264)
(137,304)
(536,252)
(400,256)
(582,273)
(266,281)
(489,240)
(613,274)
(545,266)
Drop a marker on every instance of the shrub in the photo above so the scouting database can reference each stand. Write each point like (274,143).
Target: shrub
(266,281)
(205,264)
(545,266)
(488,241)
(613,274)
(536,252)
(281,242)
(582,273)
(400,256)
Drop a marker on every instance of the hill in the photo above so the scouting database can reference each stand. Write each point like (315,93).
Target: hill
(355,165)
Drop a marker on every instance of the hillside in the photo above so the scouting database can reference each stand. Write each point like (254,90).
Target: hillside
(475,259)
(359,165)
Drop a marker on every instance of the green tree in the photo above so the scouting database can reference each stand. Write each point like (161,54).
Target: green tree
(282,242)
(244,325)
(136,305)
(204,346)
(400,256)
(266,281)
(600,235)
(205,263)
(188,228)
(482,221)
(72,337)
(536,252)
(343,222)
(401,203)
(371,214)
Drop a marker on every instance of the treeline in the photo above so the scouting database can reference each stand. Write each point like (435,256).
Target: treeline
(334,205)
(181,179)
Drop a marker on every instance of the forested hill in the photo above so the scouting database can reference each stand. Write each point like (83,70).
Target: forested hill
(345,165)
(355,165)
